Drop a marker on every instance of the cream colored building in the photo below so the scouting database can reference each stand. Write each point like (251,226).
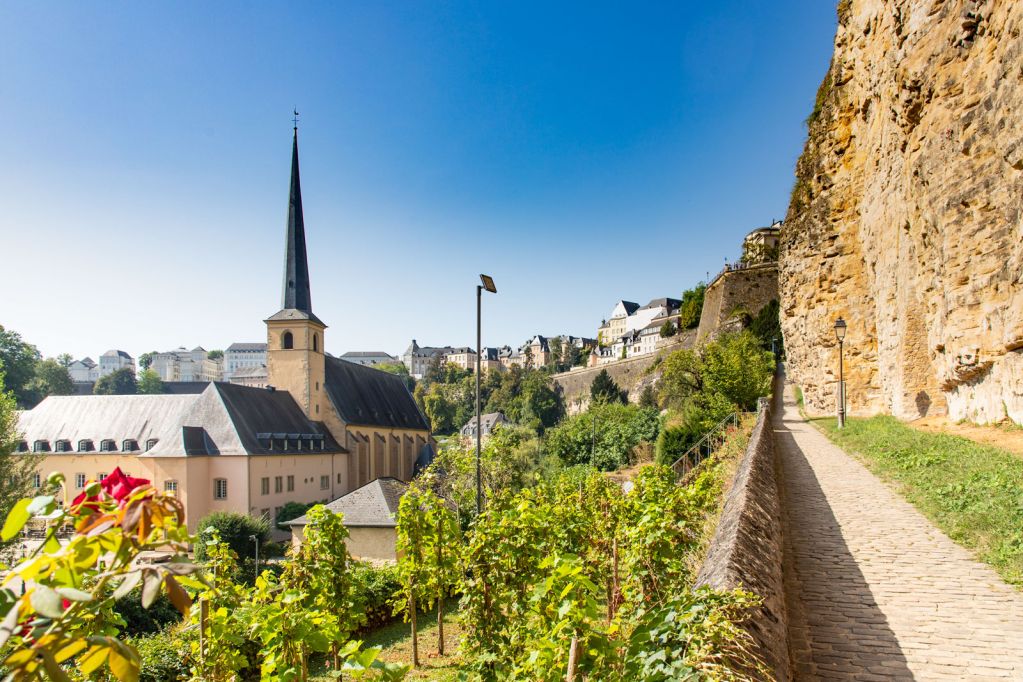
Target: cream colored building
(321,428)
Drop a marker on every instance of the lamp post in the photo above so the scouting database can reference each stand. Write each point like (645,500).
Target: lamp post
(255,539)
(488,284)
(840,335)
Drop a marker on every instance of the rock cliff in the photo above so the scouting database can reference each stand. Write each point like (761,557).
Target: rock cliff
(906,214)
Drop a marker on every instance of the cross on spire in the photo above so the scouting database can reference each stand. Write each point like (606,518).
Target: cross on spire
(295,120)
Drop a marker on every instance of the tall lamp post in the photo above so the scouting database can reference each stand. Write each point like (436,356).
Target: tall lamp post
(255,539)
(488,284)
(840,335)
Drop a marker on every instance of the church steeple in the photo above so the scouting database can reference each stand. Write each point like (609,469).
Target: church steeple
(296,295)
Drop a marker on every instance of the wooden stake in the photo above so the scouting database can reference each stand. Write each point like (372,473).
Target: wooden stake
(415,632)
(440,585)
(573,654)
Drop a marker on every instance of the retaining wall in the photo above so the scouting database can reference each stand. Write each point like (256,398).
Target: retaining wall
(747,548)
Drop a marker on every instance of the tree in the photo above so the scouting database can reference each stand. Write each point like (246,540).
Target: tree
(439,407)
(398,369)
(235,530)
(692,306)
(737,367)
(681,377)
(556,351)
(766,325)
(291,511)
(668,329)
(119,382)
(603,436)
(149,382)
(65,360)
(146,360)
(51,378)
(17,471)
(605,390)
(18,363)
(648,398)
(541,405)
(215,355)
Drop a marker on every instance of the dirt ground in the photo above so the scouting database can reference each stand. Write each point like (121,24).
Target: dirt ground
(1005,437)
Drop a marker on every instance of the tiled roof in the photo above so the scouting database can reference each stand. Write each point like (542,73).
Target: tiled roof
(247,347)
(370,397)
(373,505)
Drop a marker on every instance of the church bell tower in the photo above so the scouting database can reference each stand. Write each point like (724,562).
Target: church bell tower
(294,335)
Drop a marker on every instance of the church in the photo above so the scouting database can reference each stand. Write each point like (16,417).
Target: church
(320,429)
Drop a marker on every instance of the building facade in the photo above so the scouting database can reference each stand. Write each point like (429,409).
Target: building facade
(187,365)
(84,371)
(113,360)
(321,428)
(242,355)
(369,357)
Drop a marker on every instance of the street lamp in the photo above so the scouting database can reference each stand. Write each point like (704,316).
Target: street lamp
(488,284)
(255,539)
(840,335)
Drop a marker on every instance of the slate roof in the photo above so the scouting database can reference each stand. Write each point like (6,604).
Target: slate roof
(255,371)
(116,354)
(371,397)
(487,423)
(373,505)
(247,347)
(224,419)
(185,387)
(662,303)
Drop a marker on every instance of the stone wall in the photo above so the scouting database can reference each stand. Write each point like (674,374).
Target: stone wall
(632,375)
(747,548)
(905,218)
(748,290)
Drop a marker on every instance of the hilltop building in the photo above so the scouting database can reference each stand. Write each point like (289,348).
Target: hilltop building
(113,360)
(186,365)
(239,356)
(368,357)
(84,371)
(321,428)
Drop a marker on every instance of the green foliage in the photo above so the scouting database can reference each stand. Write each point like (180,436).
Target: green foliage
(766,325)
(668,329)
(672,443)
(51,378)
(822,96)
(603,436)
(692,306)
(398,369)
(291,511)
(16,470)
(973,492)
(681,377)
(18,362)
(648,398)
(738,368)
(233,529)
(149,382)
(119,382)
(139,620)
(373,588)
(215,355)
(603,389)
(145,360)
(160,657)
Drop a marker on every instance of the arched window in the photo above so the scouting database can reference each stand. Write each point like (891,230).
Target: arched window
(287,341)
(316,343)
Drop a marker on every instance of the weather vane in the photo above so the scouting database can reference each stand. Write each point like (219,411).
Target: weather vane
(295,120)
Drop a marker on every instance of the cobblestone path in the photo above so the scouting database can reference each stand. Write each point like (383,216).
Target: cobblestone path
(875,591)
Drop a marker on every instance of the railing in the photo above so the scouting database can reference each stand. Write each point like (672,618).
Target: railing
(703,448)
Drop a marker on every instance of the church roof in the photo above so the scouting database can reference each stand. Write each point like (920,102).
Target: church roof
(296,299)
(224,419)
(374,504)
(370,397)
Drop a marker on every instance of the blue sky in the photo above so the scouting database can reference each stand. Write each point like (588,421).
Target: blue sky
(579,152)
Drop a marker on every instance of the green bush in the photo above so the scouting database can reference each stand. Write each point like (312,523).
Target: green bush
(164,657)
(141,621)
(374,588)
(603,436)
(234,529)
(291,511)
(672,443)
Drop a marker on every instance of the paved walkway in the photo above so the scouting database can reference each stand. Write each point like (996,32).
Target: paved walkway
(875,591)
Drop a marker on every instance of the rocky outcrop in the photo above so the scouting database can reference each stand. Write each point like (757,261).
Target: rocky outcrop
(906,215)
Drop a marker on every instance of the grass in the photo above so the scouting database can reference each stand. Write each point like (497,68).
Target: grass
(395,639)
(973,492)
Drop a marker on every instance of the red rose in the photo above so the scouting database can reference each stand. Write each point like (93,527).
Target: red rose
(116,485)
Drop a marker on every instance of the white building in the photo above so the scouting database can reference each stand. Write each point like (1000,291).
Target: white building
(84,371)
(186,365)
(368,357)
(418,358)
(242,355)
(659,307)
(256,376)
(113,360)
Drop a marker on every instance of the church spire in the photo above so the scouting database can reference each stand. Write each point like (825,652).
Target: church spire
(296,294)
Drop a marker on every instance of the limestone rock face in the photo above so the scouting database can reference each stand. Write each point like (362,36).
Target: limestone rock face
(906,214)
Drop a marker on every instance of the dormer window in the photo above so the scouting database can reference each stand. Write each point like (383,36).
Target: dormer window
(22,446)
(107,445)
(129,445)
(41,446)
(62,445)
(151,443)
(85,445)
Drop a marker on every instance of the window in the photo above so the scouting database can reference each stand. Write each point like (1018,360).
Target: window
(287,341)
(278,484)
(151,443)
(264,485)
(37,481)
(316,343)
(129,445)
(171,486)
(339,478)
(106,445)
(41,446)
(62,446)
(79,481)
(100,477)
(291,483)
(22,446)
(85,445)
(324,482)
(219,488)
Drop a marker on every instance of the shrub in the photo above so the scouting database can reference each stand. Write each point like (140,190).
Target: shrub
(374,587)
(235,530)
(163,658)
(603,436)
(140,621)
(672,443)
(291,511)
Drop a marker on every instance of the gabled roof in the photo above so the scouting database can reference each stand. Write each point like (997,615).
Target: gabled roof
(246,347)
(255,371)
(373,505)
(371,397)
(662,303)
(487,423)
(116,354)
(223,419)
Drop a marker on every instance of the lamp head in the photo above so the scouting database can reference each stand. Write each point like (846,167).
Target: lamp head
(840,329)
(488,283)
